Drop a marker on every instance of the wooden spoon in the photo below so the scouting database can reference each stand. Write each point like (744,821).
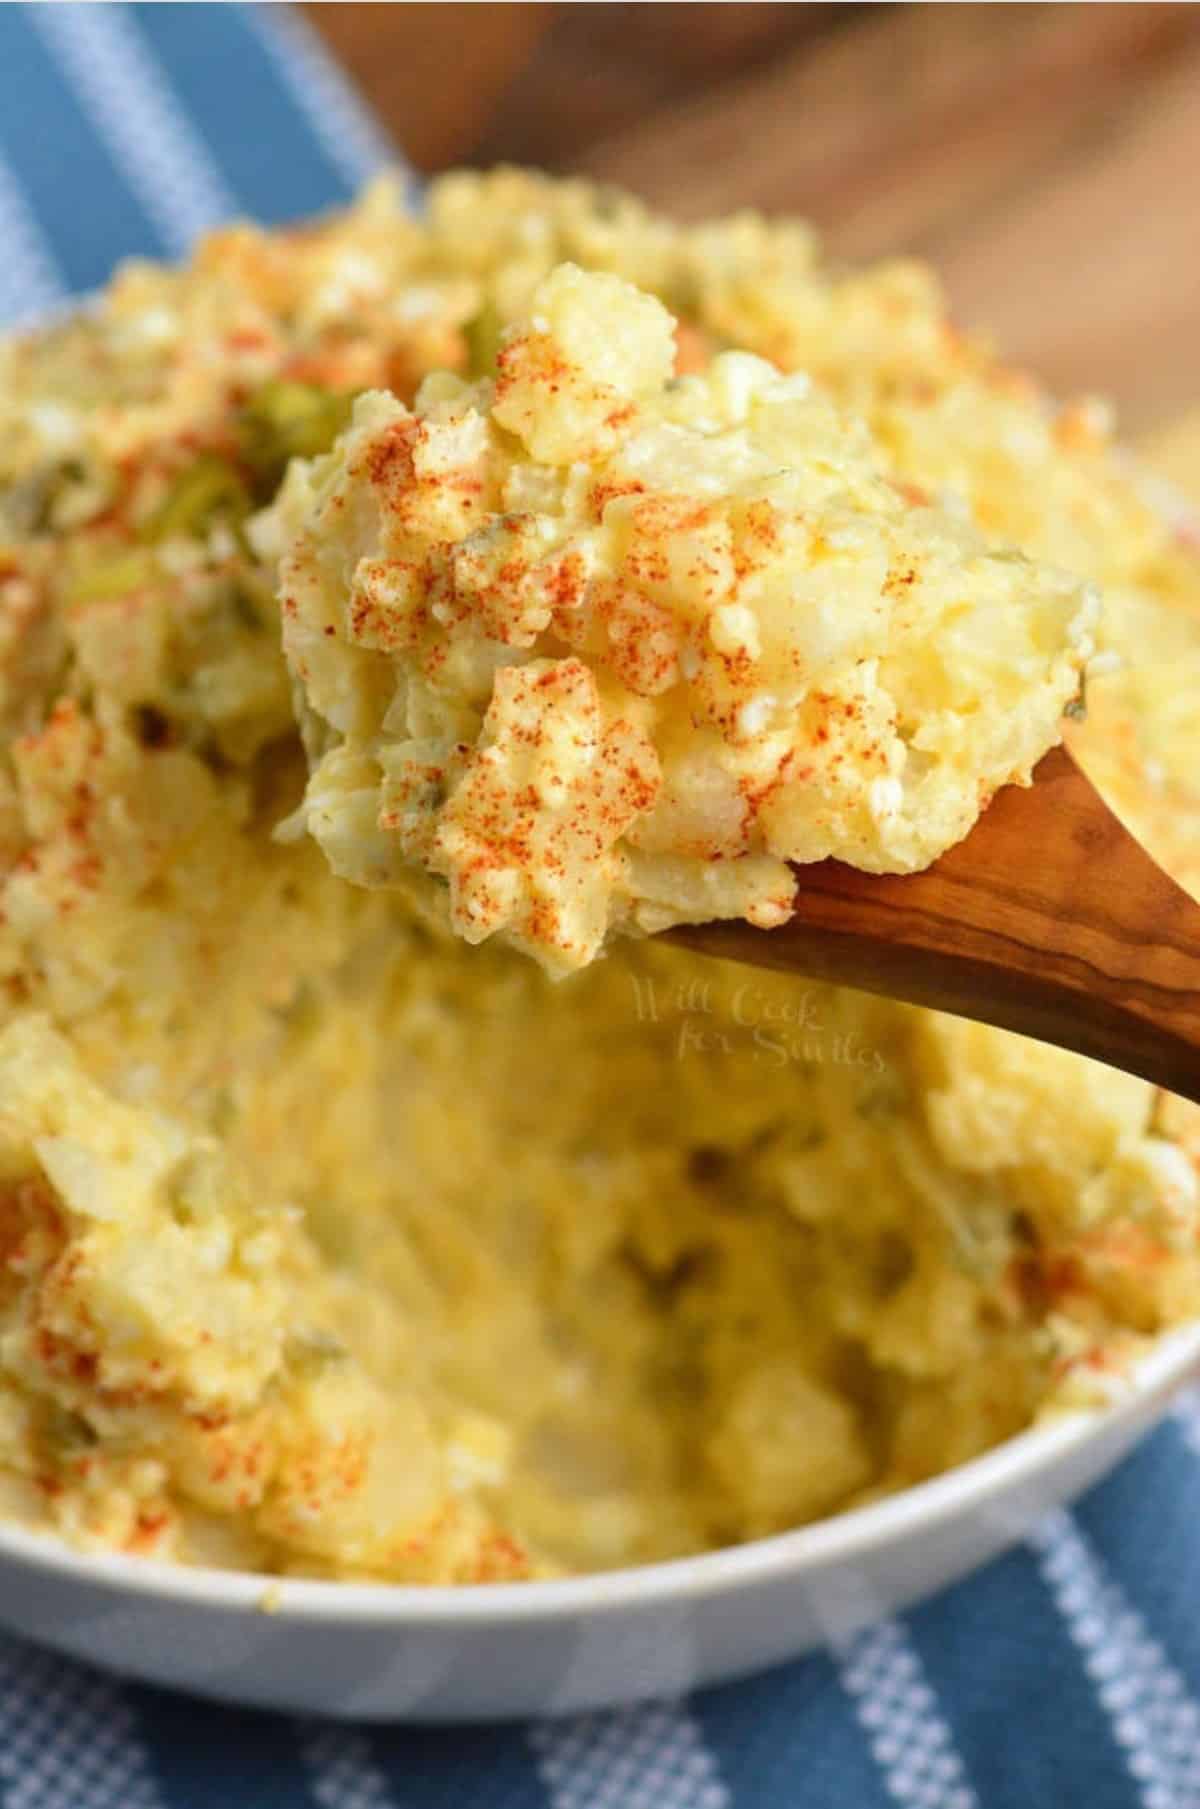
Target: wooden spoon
(1048,919)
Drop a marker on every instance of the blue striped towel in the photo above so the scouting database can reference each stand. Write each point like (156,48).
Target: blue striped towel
(1066,1673)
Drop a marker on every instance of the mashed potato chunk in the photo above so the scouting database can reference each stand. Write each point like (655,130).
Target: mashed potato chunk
(599,646)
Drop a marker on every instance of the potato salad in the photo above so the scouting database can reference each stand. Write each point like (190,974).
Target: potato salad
(505,575)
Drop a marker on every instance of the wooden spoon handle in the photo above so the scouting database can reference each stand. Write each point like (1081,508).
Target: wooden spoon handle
(1048,919)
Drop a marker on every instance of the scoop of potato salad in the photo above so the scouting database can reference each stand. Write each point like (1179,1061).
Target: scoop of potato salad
(601,646)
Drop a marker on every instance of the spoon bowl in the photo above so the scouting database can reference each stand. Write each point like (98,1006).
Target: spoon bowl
(1049,919)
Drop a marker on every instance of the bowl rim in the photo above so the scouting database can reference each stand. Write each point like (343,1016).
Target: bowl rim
(844,1537)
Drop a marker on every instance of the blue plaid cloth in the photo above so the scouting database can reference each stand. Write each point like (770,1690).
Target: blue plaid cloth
(1066,1673)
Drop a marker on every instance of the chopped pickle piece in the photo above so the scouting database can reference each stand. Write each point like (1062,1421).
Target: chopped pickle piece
(114,575)
(210,490)
(482,335)
(286,420)
(64,493)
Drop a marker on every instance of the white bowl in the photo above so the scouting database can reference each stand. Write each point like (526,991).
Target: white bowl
(387,1652)
(383,1652)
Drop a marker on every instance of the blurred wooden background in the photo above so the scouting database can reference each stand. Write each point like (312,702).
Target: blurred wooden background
(1046,157)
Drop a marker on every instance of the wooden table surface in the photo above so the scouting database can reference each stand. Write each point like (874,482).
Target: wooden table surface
(1045,157)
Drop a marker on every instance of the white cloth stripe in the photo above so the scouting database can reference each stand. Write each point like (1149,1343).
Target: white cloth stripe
(1154,1718)
(129,101)
(68,1738)
(342,1771)
(897,1707)
(329,101)
(649,1757)
(1185,1411)
(30,279)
